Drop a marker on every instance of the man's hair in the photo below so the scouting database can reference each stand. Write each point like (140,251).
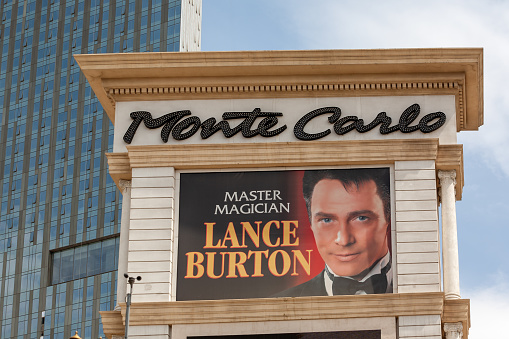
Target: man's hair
(350,178)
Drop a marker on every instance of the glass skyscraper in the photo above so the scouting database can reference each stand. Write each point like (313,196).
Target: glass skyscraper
(59,209)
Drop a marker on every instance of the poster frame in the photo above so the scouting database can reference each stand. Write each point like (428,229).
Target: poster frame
(175,238)
(387,326)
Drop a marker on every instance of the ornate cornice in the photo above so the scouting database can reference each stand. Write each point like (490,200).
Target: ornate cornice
(319,89)
(457,311)
(270,74)
(133,93)
(286,309)
(279,154)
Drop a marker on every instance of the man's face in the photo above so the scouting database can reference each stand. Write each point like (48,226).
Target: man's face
(349,226)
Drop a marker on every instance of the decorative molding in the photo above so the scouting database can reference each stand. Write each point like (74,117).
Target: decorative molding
(124,185)
(447,177)
(278,309)
(453,331)
(457,310)
(286,309)
(259,155)
(113,323)
(260,90)
(450,158)
(270,74)
(119,168)
(320,89)
(119,91)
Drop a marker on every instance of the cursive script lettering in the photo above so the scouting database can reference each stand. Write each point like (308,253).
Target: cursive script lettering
(183,129)
(182,125)
(428,123)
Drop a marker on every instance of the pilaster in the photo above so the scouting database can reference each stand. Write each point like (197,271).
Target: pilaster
(125,186)
(453,330)
(151,232)
(449,235)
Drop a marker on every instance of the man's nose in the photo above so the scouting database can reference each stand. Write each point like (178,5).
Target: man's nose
(344,237)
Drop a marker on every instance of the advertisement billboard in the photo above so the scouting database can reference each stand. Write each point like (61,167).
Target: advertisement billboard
(285,233)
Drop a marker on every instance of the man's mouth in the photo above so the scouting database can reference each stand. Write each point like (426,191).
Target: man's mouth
(346,257)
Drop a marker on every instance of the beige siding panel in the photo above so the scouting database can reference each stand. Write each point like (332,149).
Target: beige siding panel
(152,203)
(152,192)
(414,174)
(417,226)
(154,182)
(150,245)
(420,330)
(143,224)
(418,268)
(419,279)
(414,215)
(409,258)
(418,288)
(153,172)
(149,298)
(146,256)
(149,235)
(415,205)
(416,195)
(144,287)
(414,165)
(416,236)
(149,266)
(151,213)
(417,247)
(412,185)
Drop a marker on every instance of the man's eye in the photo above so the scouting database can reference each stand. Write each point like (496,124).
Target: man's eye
(362,218)
(326,220)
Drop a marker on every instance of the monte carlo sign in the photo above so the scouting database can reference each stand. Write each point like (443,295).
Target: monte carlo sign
(276,120)
(289,194)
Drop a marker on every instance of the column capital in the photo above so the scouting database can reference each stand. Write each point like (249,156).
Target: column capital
(447,175)
(124,184)
(453,330)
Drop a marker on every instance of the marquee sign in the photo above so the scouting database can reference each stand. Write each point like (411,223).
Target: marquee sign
(266,189)
(261,234)
(182,124)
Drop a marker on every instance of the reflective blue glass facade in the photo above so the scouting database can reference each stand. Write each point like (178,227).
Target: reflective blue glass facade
(56,195)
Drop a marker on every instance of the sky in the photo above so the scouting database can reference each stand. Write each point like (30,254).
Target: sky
(483,213)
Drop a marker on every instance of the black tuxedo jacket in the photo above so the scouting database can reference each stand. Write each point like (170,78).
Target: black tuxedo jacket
(311,288)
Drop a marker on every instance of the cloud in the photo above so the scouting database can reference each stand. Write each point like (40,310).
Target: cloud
(489,309)
(416,24)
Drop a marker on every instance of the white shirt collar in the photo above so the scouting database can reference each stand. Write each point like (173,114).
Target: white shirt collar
(377,269)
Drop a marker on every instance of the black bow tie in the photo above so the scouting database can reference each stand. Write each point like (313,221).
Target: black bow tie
(376,284)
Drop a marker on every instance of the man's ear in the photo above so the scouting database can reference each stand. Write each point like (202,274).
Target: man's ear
(388,235)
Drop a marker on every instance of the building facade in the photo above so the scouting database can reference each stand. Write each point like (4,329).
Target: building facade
(59,209)
(290,194)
